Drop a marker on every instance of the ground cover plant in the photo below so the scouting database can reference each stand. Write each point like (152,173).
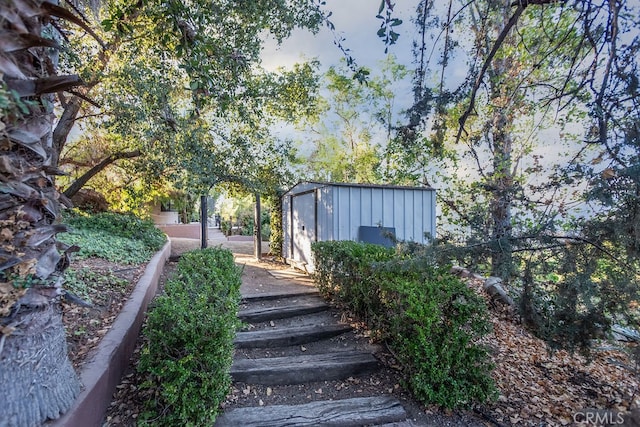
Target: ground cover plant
(431,321)
(122,238)
(113,252)
(190,333)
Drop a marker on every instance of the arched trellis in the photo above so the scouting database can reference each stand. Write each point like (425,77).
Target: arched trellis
(257,226)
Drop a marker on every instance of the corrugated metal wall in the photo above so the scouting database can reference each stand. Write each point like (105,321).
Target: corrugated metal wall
(410,211)
(341,209)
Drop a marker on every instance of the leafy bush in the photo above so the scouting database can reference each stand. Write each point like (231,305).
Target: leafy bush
(122,238)
(433,322)
(430,319)
(190,332)
(276,236)
(225,227)
(246,223)
(343,272)
(587,296)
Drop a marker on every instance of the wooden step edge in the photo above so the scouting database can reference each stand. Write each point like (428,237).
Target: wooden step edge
(342,412)
(281,312)
(278,295)
(303,369)
(285,337)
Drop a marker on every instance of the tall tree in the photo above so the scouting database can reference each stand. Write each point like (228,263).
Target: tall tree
(154,59)
(355,125)
(496,144)
(573,60)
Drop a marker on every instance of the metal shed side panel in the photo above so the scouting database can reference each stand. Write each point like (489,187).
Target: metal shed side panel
(416,211)
(325,213)
(355,209)
(422,212)
(342,218)
(404,214)
(432,214)
(425,211)
(426,218)
(286,226)
(388,201)
(399,222)
(425,203)
(377,214)
(366,206)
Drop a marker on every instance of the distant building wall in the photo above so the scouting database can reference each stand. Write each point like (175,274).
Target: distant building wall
(161,217)
(188,231)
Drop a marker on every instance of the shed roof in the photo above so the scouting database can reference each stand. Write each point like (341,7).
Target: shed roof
(360,185)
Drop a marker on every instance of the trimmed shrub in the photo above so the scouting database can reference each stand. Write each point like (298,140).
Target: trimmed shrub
(433,323)
(343,273)
(190,332)
(430,319)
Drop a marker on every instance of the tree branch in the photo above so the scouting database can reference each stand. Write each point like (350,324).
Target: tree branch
(496,46)
(62,129)
(80,182)
(521,6)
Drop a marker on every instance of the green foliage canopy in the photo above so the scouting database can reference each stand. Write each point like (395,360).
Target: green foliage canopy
(172,79)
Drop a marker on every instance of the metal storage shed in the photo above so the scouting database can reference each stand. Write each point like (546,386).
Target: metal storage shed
(321,211)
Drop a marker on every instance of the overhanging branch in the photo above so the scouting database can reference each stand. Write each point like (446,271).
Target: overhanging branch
(521,5)
(80,182)
(496,46)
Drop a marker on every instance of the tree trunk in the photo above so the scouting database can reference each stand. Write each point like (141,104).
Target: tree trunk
(502,197)
(37,381)
(64,126)
(501,181)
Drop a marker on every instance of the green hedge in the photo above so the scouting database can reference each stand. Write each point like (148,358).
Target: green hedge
(343,273)
(430,319)
(190,332)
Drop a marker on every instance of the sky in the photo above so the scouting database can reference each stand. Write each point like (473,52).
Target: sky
(356,25)
(356,22)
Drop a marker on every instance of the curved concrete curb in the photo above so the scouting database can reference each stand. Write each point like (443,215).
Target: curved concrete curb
(103,372)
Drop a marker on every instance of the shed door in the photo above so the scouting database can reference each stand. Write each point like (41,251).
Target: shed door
(303,208)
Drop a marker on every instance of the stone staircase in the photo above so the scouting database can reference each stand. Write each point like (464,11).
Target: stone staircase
(297,364)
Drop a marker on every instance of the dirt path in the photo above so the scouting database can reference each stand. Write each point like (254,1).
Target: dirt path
(258,276)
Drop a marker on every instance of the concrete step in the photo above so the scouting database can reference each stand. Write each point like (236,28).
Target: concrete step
(344,412)
(264,314)
(284,337)
(303,369)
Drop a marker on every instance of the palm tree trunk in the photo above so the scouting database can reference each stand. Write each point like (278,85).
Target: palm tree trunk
(37,381)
